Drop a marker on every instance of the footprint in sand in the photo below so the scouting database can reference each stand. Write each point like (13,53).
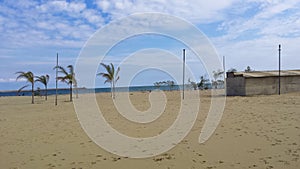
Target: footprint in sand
(203,162)
(99,155)
(199,154)
(164,156)
(116,159)
(252,166)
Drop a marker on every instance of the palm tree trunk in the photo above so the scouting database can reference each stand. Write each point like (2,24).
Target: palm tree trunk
(113,89)
(70,91)
(46,91)
(32,93)
(76,90)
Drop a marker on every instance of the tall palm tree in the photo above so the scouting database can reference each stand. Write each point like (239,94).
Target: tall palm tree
(111,76)
(43,79)
(75,86)
(29,77)
(68,77)
(217,74)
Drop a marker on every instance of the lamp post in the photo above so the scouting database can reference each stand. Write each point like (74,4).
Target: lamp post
(224,67)
(279,50)
(56,79)
(183,73)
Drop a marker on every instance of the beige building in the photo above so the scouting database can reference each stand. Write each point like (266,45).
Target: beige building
(262,82)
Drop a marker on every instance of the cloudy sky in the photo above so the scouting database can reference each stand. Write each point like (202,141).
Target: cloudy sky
(245,32)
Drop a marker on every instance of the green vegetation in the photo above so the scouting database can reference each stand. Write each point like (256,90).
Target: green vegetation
(217,75)
(169,83)
(44,79)
(111,76)
(248,69)
(232,70)
(67,77)
(29,77)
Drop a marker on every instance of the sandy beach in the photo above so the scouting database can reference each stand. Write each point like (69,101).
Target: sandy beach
(260,132)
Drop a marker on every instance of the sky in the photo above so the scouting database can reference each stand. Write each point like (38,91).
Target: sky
(246,32)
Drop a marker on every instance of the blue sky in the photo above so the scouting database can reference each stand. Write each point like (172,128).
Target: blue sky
(246,32)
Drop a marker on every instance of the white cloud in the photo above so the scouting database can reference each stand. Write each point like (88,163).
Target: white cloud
(197,11)
(54,23)
(77,6)
(3,80)
(58,6)
(93,17)
(273,18)
(250,30)
(253,40)
(272,8)
(103,4)
(260,54)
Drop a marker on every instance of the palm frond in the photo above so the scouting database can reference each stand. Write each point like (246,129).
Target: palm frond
(63,79)
(112,68)
(61,70)
(47,78)
(21,75)
(117,77)
(71,69)
(107,81)
(107,76)
(22,88)
(25,75)
(43,79)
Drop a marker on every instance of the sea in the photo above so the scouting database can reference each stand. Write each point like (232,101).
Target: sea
(87,90)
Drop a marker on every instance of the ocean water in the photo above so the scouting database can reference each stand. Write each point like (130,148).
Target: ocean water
(96,90)
(101,90)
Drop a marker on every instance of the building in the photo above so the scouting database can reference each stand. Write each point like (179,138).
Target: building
(262,82)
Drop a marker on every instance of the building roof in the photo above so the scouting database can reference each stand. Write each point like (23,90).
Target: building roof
(267,73)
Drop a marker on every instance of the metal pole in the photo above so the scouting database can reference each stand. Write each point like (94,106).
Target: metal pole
(56,79)
(279,50)
(224,66)
(183,73)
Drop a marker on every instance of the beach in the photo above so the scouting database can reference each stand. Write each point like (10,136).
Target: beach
(254,132)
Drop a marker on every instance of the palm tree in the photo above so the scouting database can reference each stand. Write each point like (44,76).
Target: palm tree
(111,76)
(193,84)
(202,82)
(157,84)
(30,78)
(170,83)
(68,77)
(43,79)
(217,74)
(75,86)
(248,69)
(232,70)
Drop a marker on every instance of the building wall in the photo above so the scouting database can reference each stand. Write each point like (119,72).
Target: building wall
(269,85)
(235,86)
(241,86)
(261,85)
(290,84)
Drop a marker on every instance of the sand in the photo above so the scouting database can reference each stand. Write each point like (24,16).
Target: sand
(255,132)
